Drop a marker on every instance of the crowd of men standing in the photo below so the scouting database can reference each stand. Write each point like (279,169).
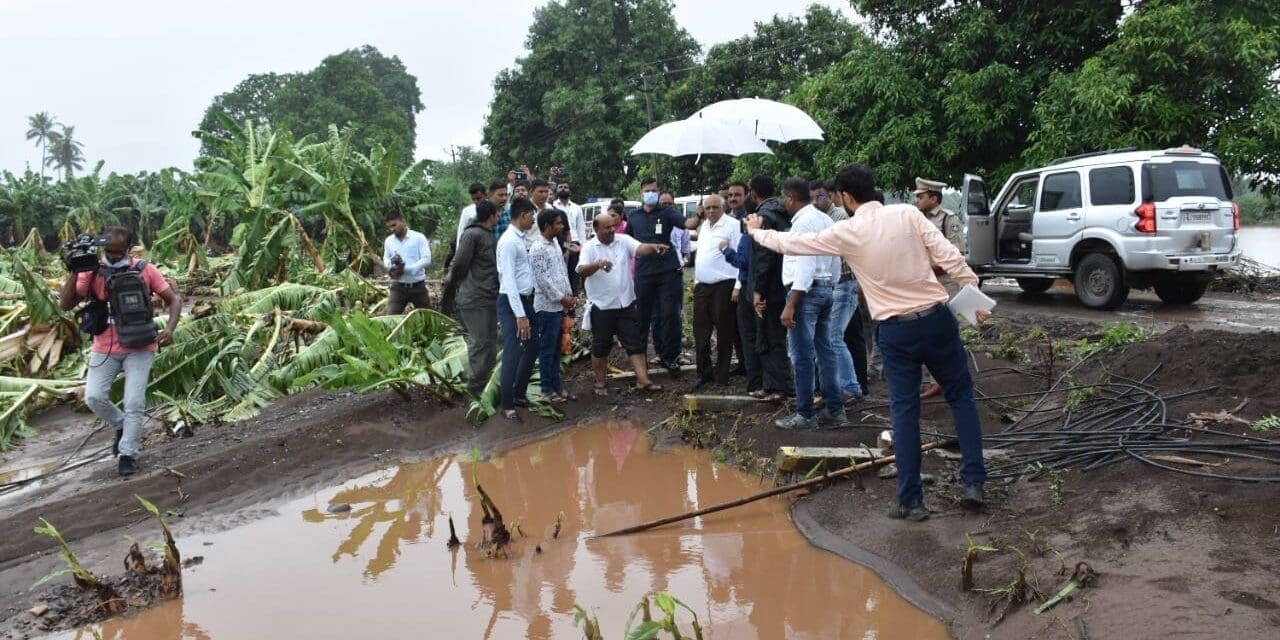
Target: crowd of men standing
(782,283)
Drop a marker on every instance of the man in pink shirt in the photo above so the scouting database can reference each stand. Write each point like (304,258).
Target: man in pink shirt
(891,250)
(108,357)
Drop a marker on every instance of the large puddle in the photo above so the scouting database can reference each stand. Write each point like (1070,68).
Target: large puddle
(382,569)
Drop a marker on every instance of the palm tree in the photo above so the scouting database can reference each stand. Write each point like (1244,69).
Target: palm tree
(42,132)
(68,153)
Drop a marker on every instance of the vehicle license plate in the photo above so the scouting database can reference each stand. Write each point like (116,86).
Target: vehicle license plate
(1199,216)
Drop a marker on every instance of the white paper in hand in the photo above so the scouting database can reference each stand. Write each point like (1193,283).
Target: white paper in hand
(969,302)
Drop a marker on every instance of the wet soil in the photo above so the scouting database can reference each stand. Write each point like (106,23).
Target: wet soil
(1175,555)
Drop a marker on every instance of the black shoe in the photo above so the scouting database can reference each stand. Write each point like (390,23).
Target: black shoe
(672,368)
(915,514)
(702,382)
(523,403)
(739,372)
(973,497)
(833,419)
(115,446)
(127,466)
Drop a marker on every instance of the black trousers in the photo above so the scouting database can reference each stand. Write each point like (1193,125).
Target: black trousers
(713,310)
(856,340)
(663,291)
(771,343)
(401,295)
(747,334)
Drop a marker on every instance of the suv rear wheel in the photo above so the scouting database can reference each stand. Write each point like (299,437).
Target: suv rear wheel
(1035,285)
(1100,282)
(1180,291)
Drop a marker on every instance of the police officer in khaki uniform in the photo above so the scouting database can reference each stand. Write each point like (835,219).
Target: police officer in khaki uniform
(929,202)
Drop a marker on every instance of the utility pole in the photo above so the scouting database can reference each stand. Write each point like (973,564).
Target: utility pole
(457,184)
(648,111)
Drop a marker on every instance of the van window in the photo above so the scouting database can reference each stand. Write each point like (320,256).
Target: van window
(1173,179)
(1111,185)
(977,204)
(1061,191)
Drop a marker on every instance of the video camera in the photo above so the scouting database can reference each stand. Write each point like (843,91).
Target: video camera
(81,253)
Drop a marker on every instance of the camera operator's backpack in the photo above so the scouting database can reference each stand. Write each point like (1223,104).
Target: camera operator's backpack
(129,302)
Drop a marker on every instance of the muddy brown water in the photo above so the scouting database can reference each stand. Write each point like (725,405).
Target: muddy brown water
(382,569)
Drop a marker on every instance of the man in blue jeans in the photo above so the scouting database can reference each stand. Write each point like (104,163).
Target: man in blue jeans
(892,250)
(515,310)
(552,299)
(808,316)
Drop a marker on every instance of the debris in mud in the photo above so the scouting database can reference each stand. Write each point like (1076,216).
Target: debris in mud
(91,599)
(453,542)
(497,538)
(339,508)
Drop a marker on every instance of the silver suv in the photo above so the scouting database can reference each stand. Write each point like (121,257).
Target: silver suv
(1108,221)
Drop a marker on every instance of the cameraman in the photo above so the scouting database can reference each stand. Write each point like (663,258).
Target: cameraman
(406,254)
(107,358)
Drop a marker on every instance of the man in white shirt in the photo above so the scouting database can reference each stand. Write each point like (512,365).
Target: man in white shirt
(611,299)
(406,254)
(810,281)
(515,310)
(577,231)
(714,280)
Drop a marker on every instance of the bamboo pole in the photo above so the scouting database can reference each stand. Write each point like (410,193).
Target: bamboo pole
(759,496)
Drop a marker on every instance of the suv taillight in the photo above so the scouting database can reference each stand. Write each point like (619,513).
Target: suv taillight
(1235,216)
(1146,218)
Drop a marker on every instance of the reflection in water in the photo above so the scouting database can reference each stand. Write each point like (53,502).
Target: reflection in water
(382,569)
(1261,244)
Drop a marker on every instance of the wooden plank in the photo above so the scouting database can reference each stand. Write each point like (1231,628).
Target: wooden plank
(694,402)
(803,458)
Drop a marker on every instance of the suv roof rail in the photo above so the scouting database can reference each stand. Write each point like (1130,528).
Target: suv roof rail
(1092,154)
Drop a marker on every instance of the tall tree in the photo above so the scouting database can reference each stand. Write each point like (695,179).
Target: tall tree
(67,152)
(769,63)
(363,87)
(1191,72)
(42,125)
(577,99)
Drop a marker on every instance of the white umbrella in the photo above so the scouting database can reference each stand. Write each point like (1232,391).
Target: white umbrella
(768,120)
(698,136)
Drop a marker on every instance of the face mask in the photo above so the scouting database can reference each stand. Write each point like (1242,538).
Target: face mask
(650,198)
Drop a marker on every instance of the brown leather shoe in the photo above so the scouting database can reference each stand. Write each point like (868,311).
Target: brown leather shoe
(932,392)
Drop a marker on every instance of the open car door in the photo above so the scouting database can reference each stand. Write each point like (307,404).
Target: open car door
(980,224)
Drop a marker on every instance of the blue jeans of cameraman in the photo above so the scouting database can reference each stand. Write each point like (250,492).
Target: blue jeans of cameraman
(810,346)
(932,340)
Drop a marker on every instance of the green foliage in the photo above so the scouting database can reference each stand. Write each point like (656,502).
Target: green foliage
(1266,424)
(1115,335)
(948,88)
(771,62)
(370,358)
(83,577)
(575,99)
(1189,71)
(361,87)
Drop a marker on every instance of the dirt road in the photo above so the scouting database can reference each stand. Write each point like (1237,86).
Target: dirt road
(1228,312)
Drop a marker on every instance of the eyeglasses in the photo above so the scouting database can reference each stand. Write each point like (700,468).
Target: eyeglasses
(820,196)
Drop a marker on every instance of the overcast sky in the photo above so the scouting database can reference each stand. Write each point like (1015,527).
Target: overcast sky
(135,76)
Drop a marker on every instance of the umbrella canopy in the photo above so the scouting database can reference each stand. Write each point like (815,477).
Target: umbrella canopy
(699,136)
(767,119)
